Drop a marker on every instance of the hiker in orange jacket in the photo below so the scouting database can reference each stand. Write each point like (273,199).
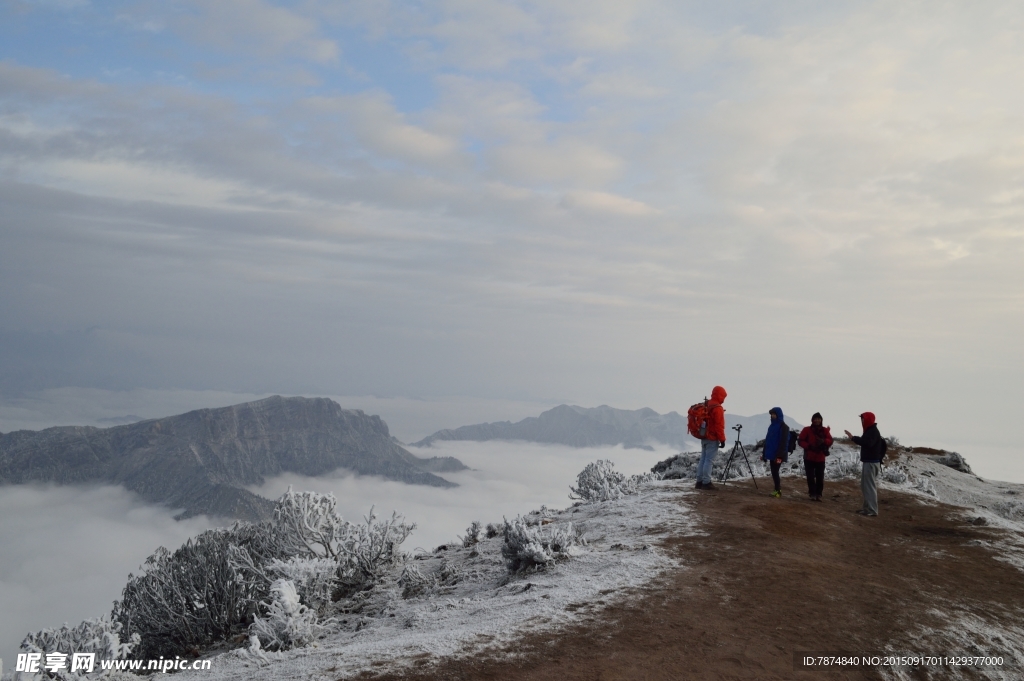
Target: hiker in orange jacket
(713,438)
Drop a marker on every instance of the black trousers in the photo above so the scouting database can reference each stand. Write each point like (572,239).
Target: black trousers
(775,475)
(815,477)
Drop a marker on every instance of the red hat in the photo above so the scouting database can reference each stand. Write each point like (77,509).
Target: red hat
(867,419)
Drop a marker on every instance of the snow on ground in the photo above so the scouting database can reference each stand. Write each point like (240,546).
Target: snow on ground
(474,605)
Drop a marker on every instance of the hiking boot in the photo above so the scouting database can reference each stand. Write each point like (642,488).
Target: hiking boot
(777,494)
(699,485)
(708,485)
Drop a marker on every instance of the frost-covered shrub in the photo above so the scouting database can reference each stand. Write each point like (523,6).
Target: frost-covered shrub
(1011,510)
(448,574)
(527,548)
(412,582)
(474,534)
(895,474)
(843,468)
(308,524)
(314,579)
(366,551)
(493,530)
(100,635)
(599,481)
(923,484)
(288,623)
(191,598)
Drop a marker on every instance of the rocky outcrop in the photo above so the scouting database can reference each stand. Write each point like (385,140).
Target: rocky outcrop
(202,461)
(951,459)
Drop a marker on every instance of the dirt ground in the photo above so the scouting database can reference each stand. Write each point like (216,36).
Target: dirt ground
(770,578)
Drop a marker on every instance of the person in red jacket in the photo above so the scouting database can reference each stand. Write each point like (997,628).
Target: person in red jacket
(815,441)
(713,438)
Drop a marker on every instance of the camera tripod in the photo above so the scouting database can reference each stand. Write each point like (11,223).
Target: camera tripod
(737,448)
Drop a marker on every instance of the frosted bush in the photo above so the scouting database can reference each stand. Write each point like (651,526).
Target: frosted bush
(366,551)
(211,588)
(527,548)
(474,534)
(448,574)
(191,598)
(1011,510)
(314,579)
(895,474)
(493,530)
(100,635)
(599,481)
(308,524)
(412,582)
(843,468)
(923,484)
(288,623)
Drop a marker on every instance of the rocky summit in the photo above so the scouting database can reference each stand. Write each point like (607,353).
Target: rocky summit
(202,461)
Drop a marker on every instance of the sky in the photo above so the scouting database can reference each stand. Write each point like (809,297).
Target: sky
(817,206)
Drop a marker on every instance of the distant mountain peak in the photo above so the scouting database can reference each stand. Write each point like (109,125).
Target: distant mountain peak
(600,426)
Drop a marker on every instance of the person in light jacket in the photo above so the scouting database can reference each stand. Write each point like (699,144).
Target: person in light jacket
(815,440)
(776,447)
(872,454)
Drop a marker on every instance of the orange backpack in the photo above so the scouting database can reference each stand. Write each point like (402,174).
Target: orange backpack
(697,419)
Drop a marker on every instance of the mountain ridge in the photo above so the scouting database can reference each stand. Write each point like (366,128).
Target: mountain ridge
(577,426)
(202,460)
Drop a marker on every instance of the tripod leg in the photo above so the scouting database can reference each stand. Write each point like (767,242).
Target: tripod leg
(728,464)
(749,469)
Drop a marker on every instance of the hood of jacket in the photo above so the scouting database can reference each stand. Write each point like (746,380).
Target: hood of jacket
(867,419)
(718,394)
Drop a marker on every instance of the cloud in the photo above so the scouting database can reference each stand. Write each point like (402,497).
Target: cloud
(68,552)
(603,203)
(383,131)
(254,27)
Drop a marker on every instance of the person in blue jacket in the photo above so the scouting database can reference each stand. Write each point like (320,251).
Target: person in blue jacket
(776,447)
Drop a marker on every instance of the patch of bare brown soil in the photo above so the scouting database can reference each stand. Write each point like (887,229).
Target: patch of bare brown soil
(772,577)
